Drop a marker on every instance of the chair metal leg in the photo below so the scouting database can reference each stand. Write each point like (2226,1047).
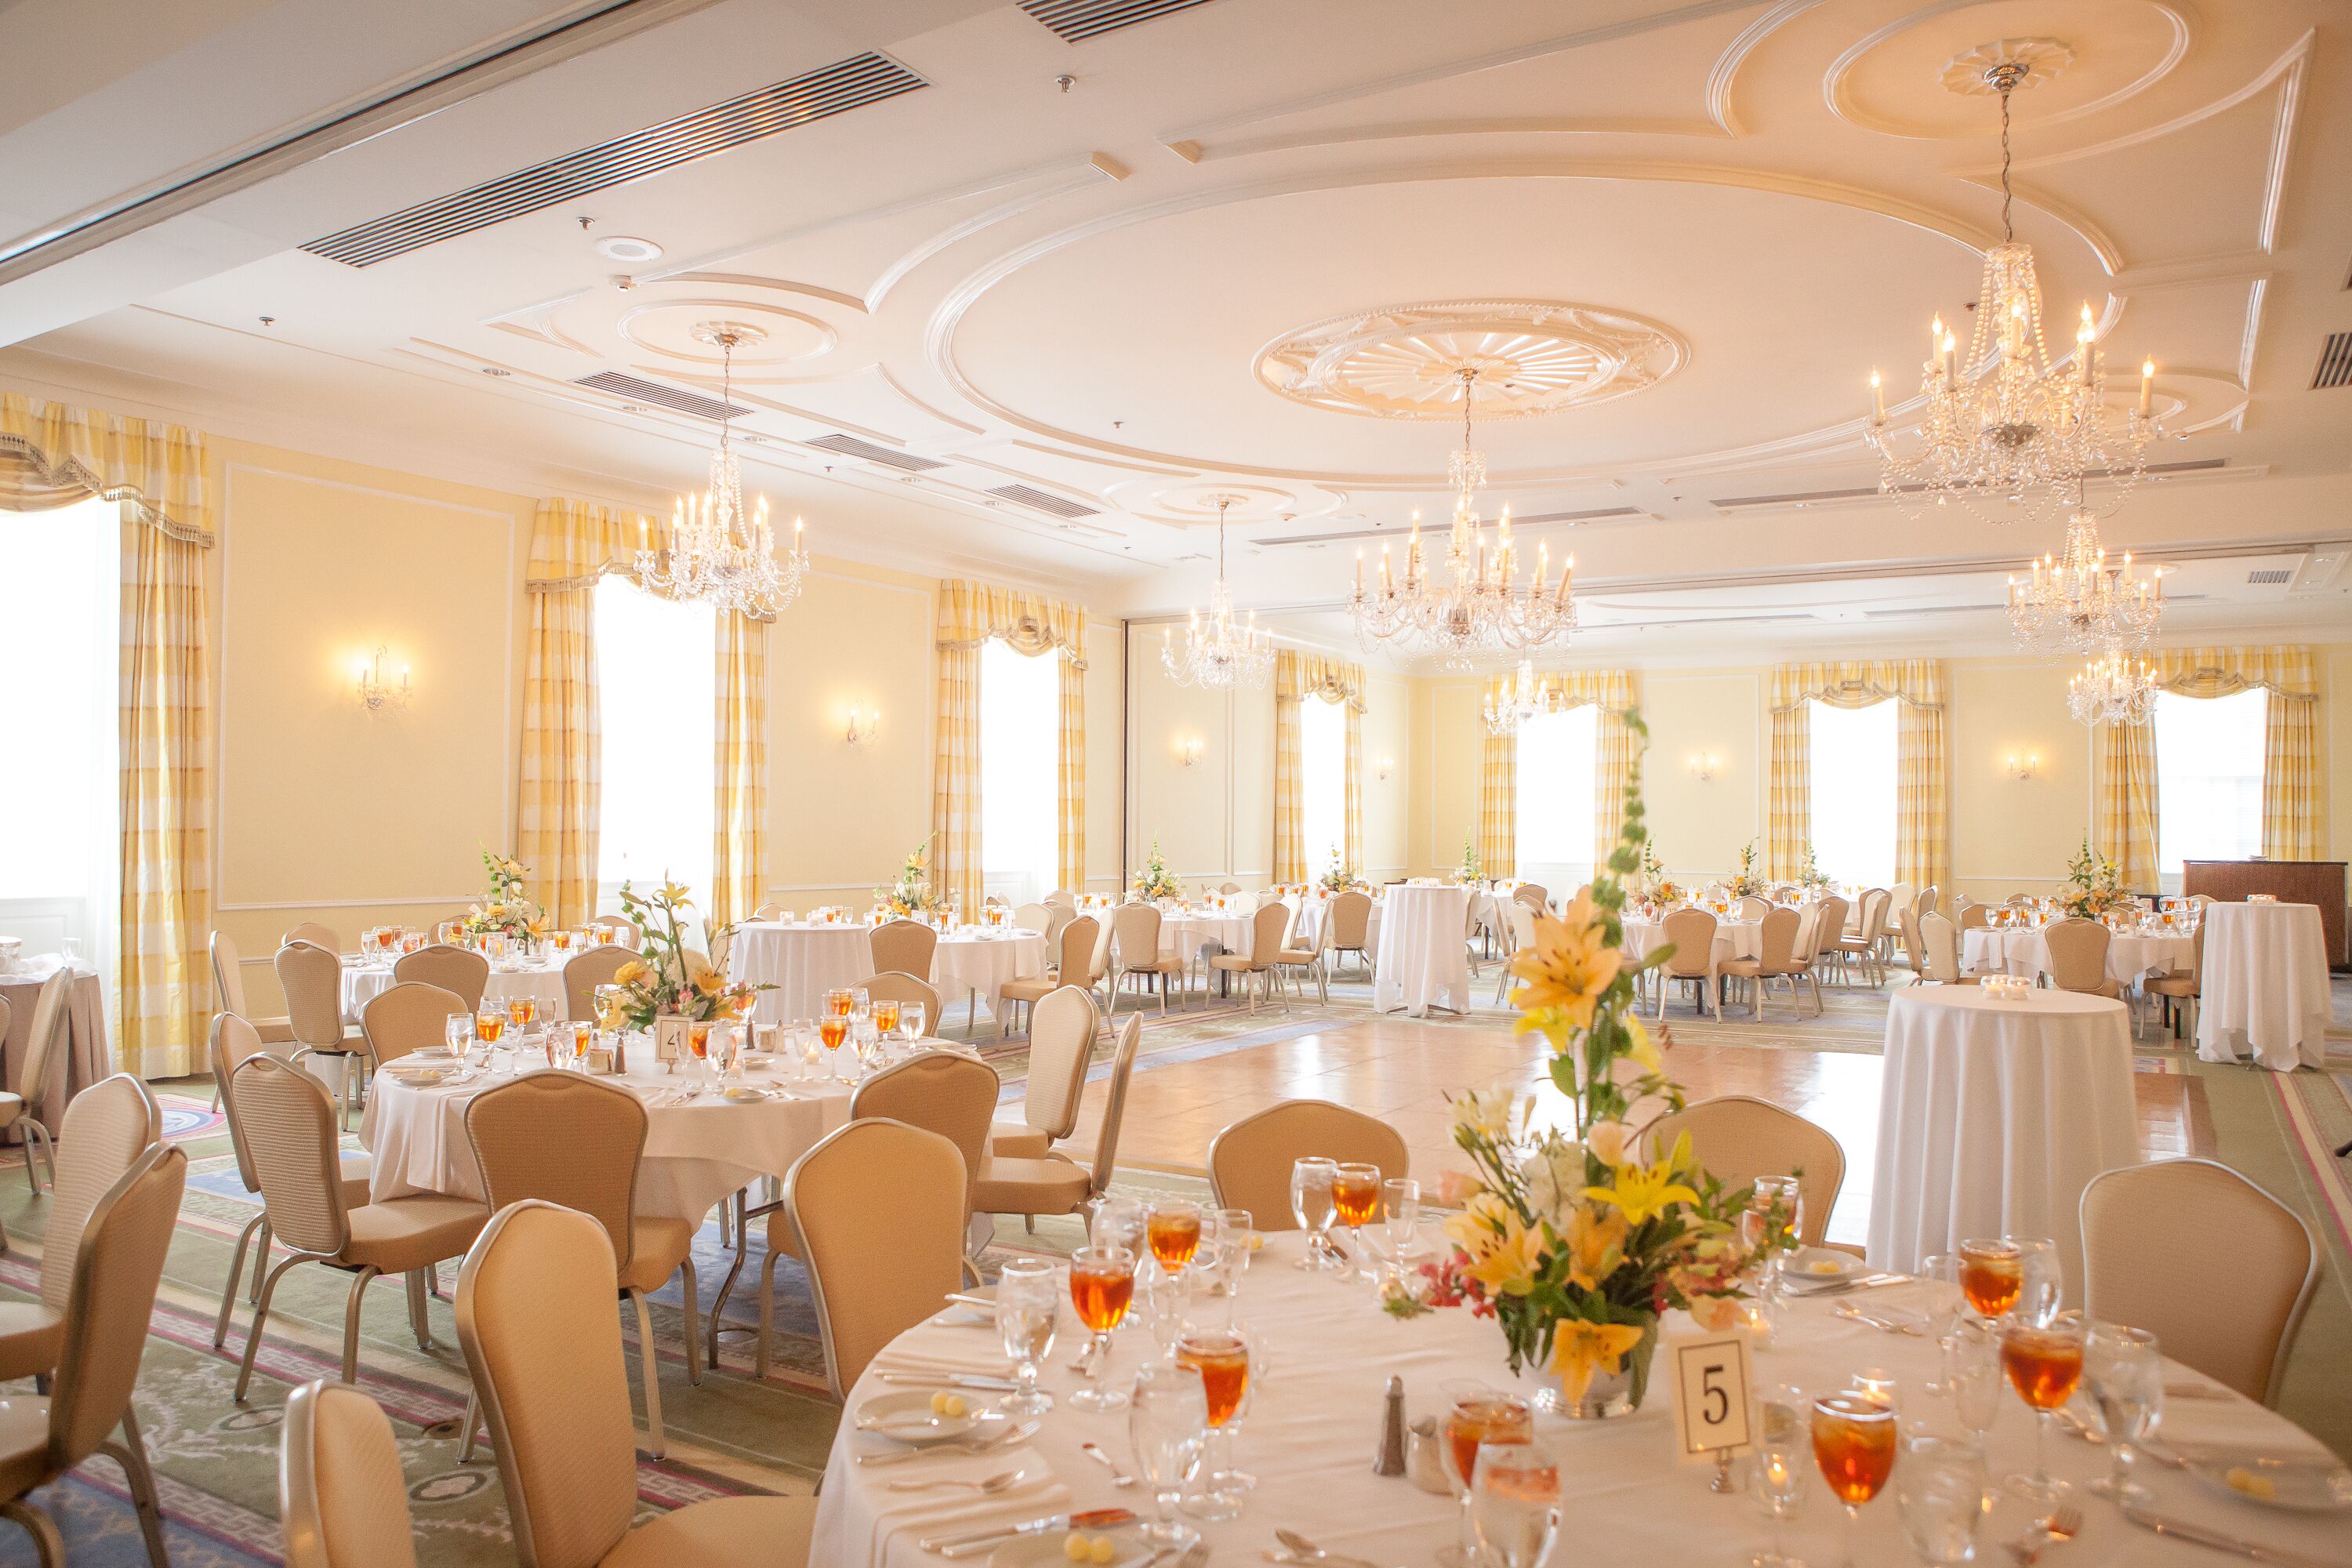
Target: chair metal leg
(418,1320)
(47,1544)
(236,1273)
(352,1322)
(466,1449)
(260,1261)
(727,1285)
(760,1350)
(693,1312)
(132,1454)
(656,1443)
(260,1317)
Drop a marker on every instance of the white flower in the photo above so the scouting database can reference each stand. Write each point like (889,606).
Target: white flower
(1554,1177)
(1487,1111)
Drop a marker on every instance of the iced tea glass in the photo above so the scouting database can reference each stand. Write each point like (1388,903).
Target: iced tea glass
(1992,1273)
(1172,1227)
(1477,1414)
(1853,1444)
(2045,1362)
(1102,1285)
(1222,1359)
(489,1024)
(1356,1202)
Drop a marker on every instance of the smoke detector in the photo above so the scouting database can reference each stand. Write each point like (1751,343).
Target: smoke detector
(623,247)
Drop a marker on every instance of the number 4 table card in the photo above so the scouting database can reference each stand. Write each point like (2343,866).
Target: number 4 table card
(1710,1374)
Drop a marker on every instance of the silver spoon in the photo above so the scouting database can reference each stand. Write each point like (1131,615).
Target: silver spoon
(1305,1548)
(988,1485)
(1095,1451)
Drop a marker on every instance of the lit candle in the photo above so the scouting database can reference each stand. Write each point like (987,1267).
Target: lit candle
(1877,398)
(2083,337)
(1951,359)
(2146,386)
(1567,571)
(1360,573)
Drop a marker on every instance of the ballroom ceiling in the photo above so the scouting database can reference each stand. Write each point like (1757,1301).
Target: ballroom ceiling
(1033,307)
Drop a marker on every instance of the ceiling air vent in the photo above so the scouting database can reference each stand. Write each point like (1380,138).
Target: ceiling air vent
(2269,576)
(2335,363)
(890,457)
(828,90)
(1078,20)
(637,389)
(1037,500)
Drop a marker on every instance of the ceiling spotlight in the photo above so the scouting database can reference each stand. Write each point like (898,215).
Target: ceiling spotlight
(625,247)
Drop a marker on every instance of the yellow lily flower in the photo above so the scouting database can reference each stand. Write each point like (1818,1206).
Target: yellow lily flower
(1595,1241)
(630,973)
(1644,1193)
(1644,1050)
(1579,1349)
(1511,1262)
(1569,965)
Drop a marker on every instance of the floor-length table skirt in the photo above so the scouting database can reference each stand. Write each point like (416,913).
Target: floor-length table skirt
(975,965)
(2026,953)
(542,982)
(1307,918)
(801,961)
(2265,986)
(1424,960)
(1993,1115)
(1733,938)
(1312,1424)
(86,1055)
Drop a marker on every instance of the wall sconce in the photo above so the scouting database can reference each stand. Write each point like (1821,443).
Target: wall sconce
(375,693)
(1705,765)
(2024,764)
(864,727)
(1387,767)
(1188,750)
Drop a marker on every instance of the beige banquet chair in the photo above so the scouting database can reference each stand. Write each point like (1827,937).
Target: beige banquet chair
(342,1502)
(103,1133)
(1776,960)
(1256,966)
(2177,986)
(1754,907)
(1739,1138)
(1052,1183)
(1032,917)
(44,1042)
(558,1408)
(1063,896)
(1250,1161)
(2078,957)
(1076,944)
(109,1304)
(1348,917)
(1057,919)
(890,986)
(2220,1271)
(1060,1046)
(1807,953)
(1137,931)
(289,1133)
(907,946)
(583,972)
(564,1138)
(462,972)
(228,992)
(1692,932)
(410,1016)
(314,934)
(1862,941)
(312,978)
(1974,917)
(1829,931)
(1297,963)
(1523,936)
(1942,951)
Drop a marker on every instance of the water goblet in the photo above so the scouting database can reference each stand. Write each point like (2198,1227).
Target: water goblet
(1778,1480)
(1102,1287)
(1853,1444)
(1476,1416)
(1028,1304)
(2126,1377)
(1973,1376)
(1939,1274)
(1166,1306)
(2042,1284)
(910,1021)
(1514,1504)
(1940,1487)
(1168,1423)
(1113,1221)
(1237,1225)
(2045,1362)
(457,1031)
(1400,1210)
(1312,1206)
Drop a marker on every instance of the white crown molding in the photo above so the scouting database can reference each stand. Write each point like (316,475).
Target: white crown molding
(1434,130)
(1725,73)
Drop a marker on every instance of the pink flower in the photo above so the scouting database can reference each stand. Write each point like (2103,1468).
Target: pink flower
(1455,1188)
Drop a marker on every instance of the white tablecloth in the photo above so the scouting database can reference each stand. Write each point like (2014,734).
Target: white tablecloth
(2026,953)
(1733,938)
(2265,986)
(1421,960)
(696,1154)
(544,982)
(1307,918)
(802,962)
(965,965)
(1183,936)
(1310,1428)
(1992,1117)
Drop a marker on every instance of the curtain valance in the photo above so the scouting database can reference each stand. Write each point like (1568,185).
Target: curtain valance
(971,613)
(1611,690)
(575,543)
(1858,683)
(2219,672)
(53,455)
(1298,676)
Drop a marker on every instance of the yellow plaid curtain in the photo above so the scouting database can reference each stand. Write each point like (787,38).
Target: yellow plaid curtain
(739,814)
(1499,803)
(1611,691)
(2124,756)
(1922,810)
(53,455)
(1297,676)
(970,614)
(573,544)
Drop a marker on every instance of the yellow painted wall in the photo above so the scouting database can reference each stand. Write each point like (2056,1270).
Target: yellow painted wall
(1388,742)
(2013,834)
(1700,826)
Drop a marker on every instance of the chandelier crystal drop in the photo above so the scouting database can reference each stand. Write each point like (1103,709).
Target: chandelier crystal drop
(2114,689)
(1219,653)
(1480,608)
(1525,699)
(2077,601)
(720,553)
(2001,426)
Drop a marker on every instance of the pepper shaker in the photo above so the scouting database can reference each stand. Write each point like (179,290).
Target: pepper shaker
(1389,1460)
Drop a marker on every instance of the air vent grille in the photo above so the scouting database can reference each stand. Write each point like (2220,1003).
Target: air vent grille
(1037,500)
(2335,363)
(1808,498)
(637,389)
(828,90)
(1078,20)
(889,456)
(2269,576)
(1400,533)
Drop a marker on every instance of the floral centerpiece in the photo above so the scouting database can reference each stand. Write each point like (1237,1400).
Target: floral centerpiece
(1154,881)
(911,894)
(1811,875)
(1336,877)
(2094,888)
(668,979)
(1570,1238)
(1470,870)
(1747,884)
(506,911)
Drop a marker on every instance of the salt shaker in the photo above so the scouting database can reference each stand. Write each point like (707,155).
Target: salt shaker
(1389,1460)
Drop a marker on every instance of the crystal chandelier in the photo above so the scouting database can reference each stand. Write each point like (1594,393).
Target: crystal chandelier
(1219,654)
(1480,608)
(2078,602)
(2004,423)
(2113,690)
(1514,705)
(719,553)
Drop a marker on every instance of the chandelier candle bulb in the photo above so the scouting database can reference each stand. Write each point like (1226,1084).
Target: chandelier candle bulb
(1877,398)
(2146,386)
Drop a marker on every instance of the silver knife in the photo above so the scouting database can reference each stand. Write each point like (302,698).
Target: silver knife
(2164,1524)
(983,1540)
(953,1380)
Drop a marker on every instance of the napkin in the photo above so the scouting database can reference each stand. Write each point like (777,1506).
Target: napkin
(927,1514)
(940,1365)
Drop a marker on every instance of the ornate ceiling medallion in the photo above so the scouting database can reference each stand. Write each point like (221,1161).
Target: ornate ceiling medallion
(1977,72)
(1533,357)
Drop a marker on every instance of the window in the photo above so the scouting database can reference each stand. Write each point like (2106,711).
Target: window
(1020,772)
(1323,782)
(1554,844)
(2209,779)
(60,637)
(1853,792)
(656,689)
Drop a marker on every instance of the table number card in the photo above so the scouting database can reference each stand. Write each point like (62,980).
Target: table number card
(1711,1374)
(669,1039)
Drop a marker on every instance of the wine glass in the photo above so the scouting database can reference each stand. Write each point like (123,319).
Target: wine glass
(1777,1482)
(1222,1359)
(1168,1422)
(1356,1201)
(1028,1304)
(2126,1377)
(1102,1285)
(1166,1306)
(2040,1283)
(1945,1304)
(1992,1275)
(1940,1487)
(1476,1416)
(1853,1444)
(1172,1227)
(1311,1205)
(2045,1362)
(457,1031)
(1973,1376)
(910,1021)
(1115,1222)
(1514,1503)
(1400,1210)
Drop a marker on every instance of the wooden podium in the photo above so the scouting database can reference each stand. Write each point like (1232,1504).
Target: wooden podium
(2317,882)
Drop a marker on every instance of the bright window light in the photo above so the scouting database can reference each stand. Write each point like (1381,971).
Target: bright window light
(2209,779)
(1853,792)
(656,694)
(1556,765)
(1020,772)
(1323,782)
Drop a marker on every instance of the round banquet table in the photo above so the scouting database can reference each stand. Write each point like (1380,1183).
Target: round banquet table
(2025,953)
(87,1055)
(2265,986)
(802,962)
(978,962)
(1313,1421)
(1733,938)
(1993,1115)
(1184,935)
(541,981)
(1307,918)
(696,1153)
(1424,960)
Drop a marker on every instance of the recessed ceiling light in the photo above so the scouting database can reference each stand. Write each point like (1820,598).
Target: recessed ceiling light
(623,248)
(494,370)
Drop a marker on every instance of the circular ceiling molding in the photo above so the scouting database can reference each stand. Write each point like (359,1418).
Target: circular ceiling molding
(1977,72)
(1193,503)
(1530,358)
(669,328)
